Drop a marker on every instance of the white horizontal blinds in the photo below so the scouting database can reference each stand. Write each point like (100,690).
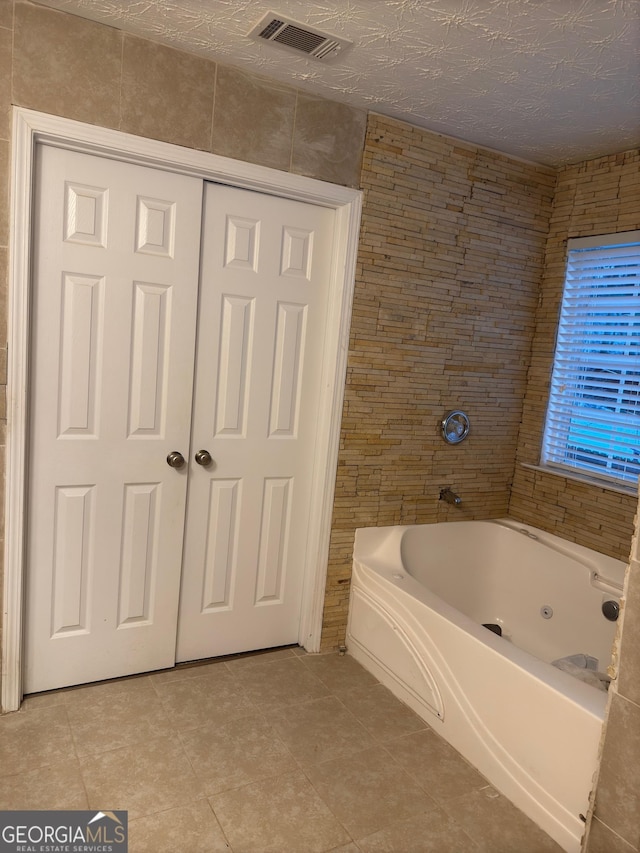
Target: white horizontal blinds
(593,419)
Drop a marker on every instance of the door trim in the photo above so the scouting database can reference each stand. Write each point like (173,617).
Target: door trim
(31,128)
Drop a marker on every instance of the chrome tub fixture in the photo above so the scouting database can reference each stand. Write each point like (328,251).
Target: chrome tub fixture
(455,426)
(450,497)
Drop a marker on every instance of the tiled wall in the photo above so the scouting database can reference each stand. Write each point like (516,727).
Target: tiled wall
(451,255)
(76,68)
(68,66)
(614,825)
(597,197)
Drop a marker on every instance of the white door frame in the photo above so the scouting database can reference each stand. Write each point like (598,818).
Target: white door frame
(31,128)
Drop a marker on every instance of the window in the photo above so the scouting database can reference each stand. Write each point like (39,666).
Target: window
(593,419)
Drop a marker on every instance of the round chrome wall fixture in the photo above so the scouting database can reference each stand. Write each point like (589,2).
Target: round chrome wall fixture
(455,427)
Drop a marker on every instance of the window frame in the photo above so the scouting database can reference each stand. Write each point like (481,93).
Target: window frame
(589,432)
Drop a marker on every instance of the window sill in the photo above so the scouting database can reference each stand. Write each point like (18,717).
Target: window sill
(630,490)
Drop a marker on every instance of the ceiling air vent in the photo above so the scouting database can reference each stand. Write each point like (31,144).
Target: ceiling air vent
(299,37)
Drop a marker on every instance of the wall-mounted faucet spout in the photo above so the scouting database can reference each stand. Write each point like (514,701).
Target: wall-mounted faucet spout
(450,497)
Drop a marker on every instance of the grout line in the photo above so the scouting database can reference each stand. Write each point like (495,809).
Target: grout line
(213,106)
(120,104)
(293,132)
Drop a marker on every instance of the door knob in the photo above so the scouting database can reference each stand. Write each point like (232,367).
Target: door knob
(175,459)
(203,457)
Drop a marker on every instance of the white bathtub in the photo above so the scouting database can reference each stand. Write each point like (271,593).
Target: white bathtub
(419,598)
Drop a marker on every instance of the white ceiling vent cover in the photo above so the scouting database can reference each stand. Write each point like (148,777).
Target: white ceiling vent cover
(299,37)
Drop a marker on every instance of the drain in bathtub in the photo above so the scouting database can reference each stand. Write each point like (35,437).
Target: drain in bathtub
(610,610)
(546,611)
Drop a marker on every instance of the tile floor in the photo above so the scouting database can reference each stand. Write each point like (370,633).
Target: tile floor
(280,751)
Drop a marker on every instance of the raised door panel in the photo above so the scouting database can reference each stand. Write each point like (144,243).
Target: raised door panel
(263,310)
(115,298)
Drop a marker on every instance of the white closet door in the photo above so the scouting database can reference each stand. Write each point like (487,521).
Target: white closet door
(263,312)
(115,296)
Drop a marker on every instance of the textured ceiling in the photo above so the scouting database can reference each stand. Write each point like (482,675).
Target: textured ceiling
(553,81)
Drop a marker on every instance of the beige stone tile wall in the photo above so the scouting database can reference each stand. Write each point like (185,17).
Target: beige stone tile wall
(450,260)
(614,818)
(597,197)
(83,70)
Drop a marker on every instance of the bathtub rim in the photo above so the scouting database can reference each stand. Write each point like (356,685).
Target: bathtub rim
(387,540)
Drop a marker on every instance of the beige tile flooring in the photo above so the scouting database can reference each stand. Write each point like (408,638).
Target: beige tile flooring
(281,751)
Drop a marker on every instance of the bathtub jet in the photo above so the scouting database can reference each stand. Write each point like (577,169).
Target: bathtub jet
(422,599)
